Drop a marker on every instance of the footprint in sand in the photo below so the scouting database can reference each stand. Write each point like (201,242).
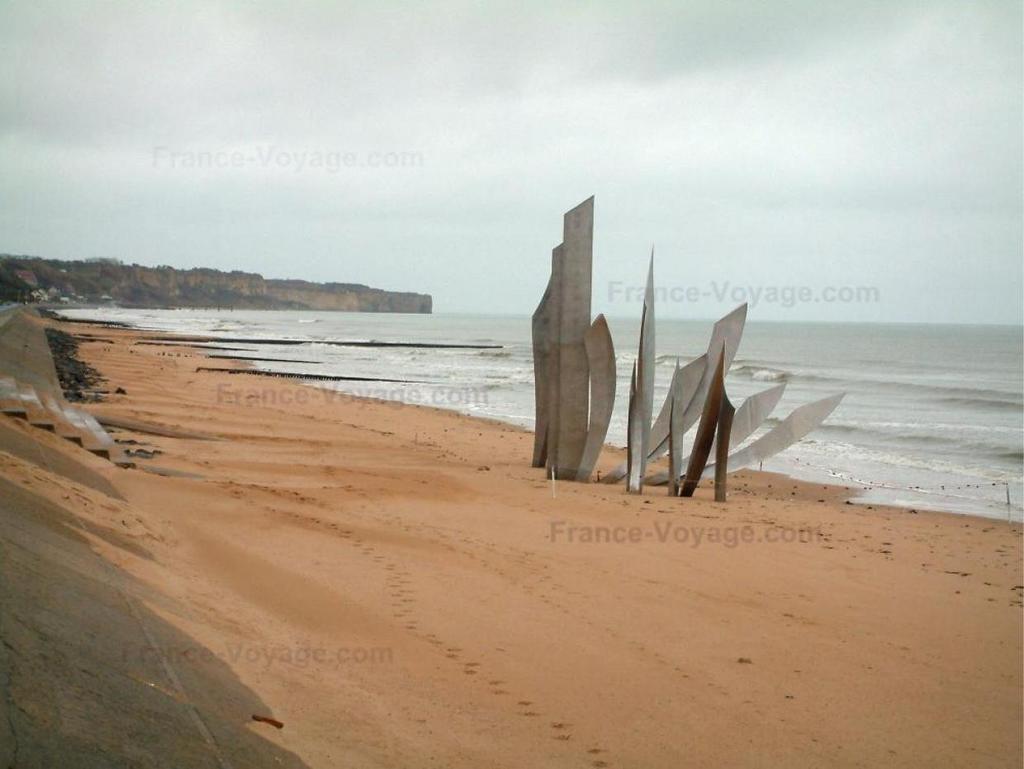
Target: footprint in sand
(560,726)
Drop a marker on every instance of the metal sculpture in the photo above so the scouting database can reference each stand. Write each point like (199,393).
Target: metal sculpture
(572,320)
(573,359)
(749,416)
(601,359)
(725,338)
(752,413)
(633,438)
(542,371)
(794,427)
(706,429)
(553,367)
(725,416)
(575,382)
(641,403)
(728,331)
(676,398)
(682,387)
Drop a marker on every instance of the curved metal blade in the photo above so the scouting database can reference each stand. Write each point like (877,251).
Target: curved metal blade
(728,330)
(640,412)
(541,326)
(791,429)
(601,358)
(749,416)
(706,429)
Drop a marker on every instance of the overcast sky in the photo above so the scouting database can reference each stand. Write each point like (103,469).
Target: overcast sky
(864,152)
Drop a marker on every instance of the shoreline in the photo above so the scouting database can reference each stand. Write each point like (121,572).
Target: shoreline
(916,498)
(926,481)
(611,455)
(531,625)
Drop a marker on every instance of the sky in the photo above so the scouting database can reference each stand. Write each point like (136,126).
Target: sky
(829,161)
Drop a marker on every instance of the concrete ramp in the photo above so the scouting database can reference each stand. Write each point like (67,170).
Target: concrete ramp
(25,353)
(30,390)
(45,450)
(82,680)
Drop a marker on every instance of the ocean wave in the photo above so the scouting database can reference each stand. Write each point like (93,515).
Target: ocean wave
(880,463)
(668,360)
(760,373)
(957,396)
(997,404)
(929,443)
(761,362)
(905,426)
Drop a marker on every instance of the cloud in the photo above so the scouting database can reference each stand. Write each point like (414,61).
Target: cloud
(871,141)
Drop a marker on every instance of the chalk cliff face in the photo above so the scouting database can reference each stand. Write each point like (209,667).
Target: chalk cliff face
(346,296)
(138,286)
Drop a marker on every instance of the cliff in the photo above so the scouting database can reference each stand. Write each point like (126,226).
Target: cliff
(98,281)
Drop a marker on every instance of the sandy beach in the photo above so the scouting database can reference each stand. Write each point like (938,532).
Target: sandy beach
(401,589)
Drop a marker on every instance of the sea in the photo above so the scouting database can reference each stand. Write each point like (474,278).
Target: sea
(933,416)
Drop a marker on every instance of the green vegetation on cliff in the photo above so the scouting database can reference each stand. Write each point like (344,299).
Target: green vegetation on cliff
(25,278)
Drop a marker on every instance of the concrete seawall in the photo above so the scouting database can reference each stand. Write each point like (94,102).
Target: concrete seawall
(83,678)
(24,353)
(25,357)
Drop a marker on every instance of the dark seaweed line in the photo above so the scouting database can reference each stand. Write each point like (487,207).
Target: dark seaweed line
(335,342)
(263,360)
(320,377)
(195,346)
